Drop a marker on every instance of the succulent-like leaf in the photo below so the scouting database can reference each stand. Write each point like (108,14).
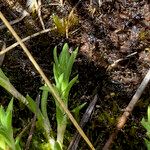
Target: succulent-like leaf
(33,107)
(7,137)
(2,75)
(6,130)
(3,145)
(44,103)
(76,111)
(65,52)
(44,107)
(60,80)
(71,83)
(57,146)
(70,63)
(64,56)
(32,104)
(56,73)
(60,25)
(62,70)
(44,88)
(17,145)
(55,56)
(9,114)
(2,115)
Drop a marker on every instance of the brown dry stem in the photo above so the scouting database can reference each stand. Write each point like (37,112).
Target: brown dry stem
(25,39)
(128,110)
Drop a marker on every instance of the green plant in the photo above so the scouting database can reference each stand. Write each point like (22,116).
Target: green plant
(146,125)
(65,24)
(7,140)
(62,70)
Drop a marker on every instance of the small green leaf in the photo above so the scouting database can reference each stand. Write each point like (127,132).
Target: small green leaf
(17,145)
(44,88)
(9,114)
(71,83)
(70,63)
(65,52)
(33,107)
(57,146)
(6,130)
(44,106)
(60,80)
(2,115)
(55,56)
(6,137)
(56,73)
(64,56)
(2,75)
(76,111)
(32,104)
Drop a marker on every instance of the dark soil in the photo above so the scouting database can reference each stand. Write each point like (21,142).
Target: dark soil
(105,33)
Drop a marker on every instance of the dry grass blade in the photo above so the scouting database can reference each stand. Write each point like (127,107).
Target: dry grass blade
(2,56)
(25,39)
(115,64)
(74,143)
(128,110)
(39,14)
(53,92)
(16,6)
(13,22)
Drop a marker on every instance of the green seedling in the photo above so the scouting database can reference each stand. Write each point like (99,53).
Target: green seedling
(64,25)
(31,104)
(146,125)
(7,140)
(62,70)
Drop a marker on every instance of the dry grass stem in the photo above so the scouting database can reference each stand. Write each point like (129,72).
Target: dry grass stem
(39,14)
(128,110)
(25,39)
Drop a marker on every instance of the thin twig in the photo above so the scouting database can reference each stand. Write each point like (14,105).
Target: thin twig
(25,39)
(39,14)
(16,6)
(52,89)
(128,110)
(22,132)
(13,21)
(2,56)
(115,64)
(74,143)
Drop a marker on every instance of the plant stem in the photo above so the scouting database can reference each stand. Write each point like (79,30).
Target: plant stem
(44,112)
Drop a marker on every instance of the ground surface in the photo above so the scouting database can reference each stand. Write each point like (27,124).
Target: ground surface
(104,33)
